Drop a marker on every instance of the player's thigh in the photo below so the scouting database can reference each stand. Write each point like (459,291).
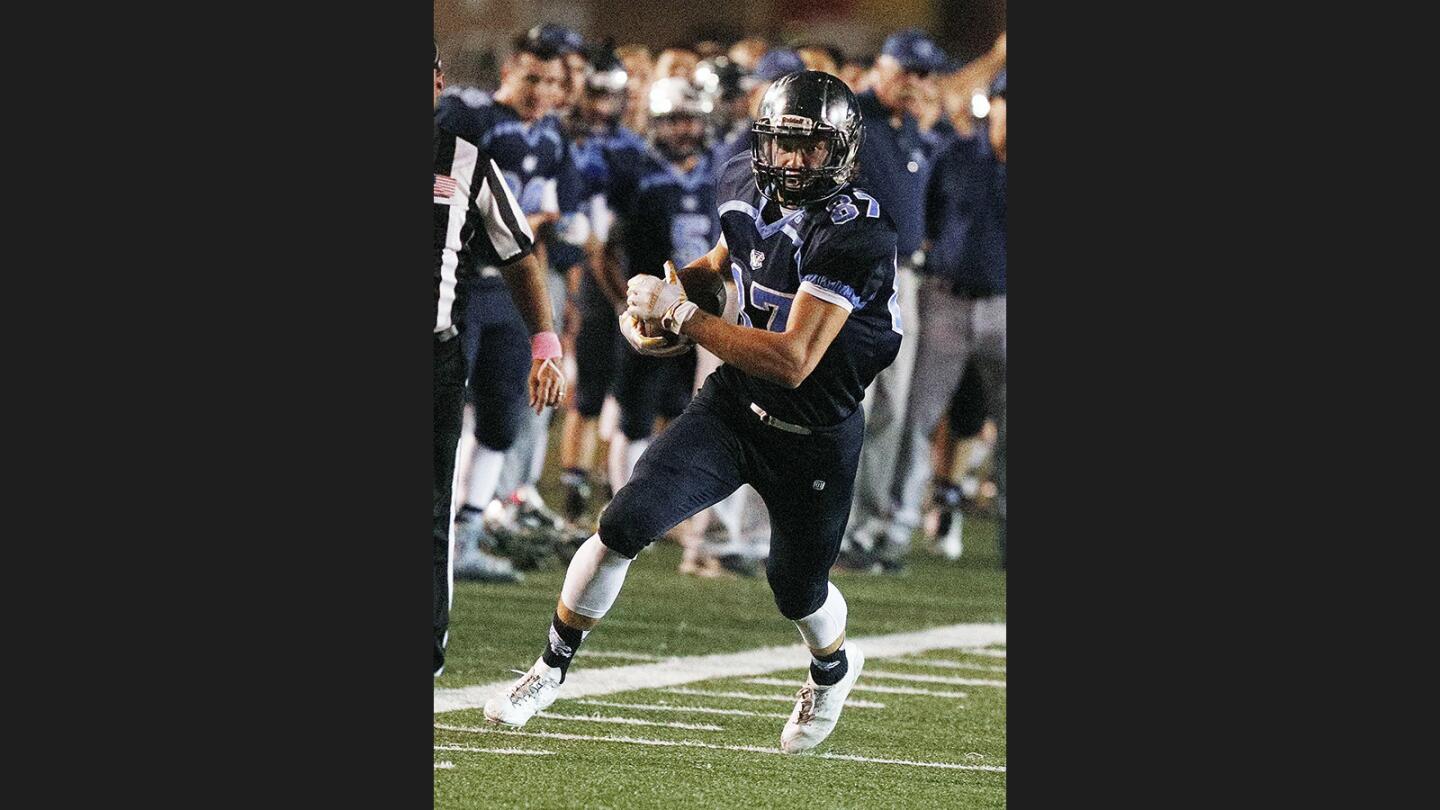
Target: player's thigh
(470,321)
(677,385)
(499,385)
(595,356)
(968,406)
(944,348)
(637,391)
(807,483)
(693,465)
(989,353)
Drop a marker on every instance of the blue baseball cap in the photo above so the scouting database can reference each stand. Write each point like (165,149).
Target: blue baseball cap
(914,50)
(777,62)
(557,38)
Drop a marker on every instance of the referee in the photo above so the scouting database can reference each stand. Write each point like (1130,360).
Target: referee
(475,213)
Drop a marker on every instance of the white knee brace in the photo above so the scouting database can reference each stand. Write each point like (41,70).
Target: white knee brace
(825,626)
(594,578)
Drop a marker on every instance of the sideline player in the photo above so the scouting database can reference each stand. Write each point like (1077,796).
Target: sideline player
(476,217)
(515,127)
(607,157)
(814,258)
(674,219)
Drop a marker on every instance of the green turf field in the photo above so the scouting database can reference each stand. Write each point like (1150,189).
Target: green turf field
(643,748)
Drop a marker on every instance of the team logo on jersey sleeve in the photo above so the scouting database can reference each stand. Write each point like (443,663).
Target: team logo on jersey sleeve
(756,259)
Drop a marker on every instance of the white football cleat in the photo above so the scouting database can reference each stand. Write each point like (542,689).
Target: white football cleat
(817,708)
(532,693)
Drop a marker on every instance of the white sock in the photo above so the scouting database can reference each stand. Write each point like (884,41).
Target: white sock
(826,625)
(484,475)
(593,579)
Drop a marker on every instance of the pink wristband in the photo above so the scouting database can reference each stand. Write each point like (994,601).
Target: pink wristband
(544,346)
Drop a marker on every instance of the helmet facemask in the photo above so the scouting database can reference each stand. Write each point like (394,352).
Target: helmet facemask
(797,163)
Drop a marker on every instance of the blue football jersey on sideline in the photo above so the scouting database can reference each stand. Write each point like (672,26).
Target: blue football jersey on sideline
(534,159)
(530,157)
(609,167)
(841,251)
(673,216)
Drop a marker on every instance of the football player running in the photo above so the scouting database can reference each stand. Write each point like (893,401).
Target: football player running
(813,259)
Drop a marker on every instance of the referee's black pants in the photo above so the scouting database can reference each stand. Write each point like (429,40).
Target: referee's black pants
(449,388)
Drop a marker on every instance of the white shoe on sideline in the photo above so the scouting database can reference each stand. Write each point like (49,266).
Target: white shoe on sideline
(817,708)
(532,693)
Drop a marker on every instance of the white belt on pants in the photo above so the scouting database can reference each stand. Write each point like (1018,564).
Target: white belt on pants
(776,423)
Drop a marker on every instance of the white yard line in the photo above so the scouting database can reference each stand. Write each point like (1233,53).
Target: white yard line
(628,721)
(677,671)
(623,655)
(527,751)
(946,679)
(665,707)
(862,686)
(790,698)
(550,735)
(1000,653)
(941,663)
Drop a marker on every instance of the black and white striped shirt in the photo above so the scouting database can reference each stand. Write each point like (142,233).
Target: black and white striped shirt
(475,213)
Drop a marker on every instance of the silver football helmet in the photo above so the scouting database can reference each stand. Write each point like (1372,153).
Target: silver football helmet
(807,136)
(679,114)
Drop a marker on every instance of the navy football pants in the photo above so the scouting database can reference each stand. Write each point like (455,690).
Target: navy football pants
(497,357)
(647,387)
(716,445)
(597,348)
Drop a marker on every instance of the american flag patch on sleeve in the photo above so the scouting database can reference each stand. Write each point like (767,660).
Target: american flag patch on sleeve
(444,187)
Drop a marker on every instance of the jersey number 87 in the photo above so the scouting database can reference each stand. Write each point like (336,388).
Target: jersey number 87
(761,297)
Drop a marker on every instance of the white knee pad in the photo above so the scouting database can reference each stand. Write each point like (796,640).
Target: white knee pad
(594,578)
(825,626)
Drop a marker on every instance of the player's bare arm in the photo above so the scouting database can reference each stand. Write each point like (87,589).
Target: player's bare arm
(786,358)
(605,266)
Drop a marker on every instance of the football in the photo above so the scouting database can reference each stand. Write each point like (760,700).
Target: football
(704,287)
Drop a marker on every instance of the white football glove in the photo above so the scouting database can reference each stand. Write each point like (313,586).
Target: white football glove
(652,299)
(660,346)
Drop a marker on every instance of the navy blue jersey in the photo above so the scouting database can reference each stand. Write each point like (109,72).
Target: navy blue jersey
(673,217)
(609,167)
(841,251)
(534,159)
